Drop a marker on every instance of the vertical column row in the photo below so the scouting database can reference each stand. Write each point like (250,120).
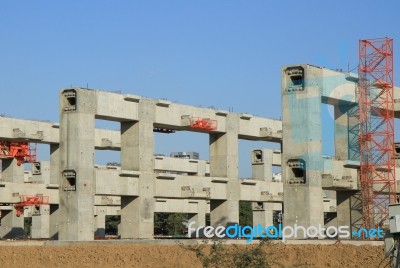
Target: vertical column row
(137,154)
(224,163)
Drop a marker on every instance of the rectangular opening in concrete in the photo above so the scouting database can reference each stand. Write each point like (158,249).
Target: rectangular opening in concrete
(277,217)
(107,124)
(28,226)
(294,79)
(107,158)
(297,80)
(69,100)
(182,152)
(257,156)
(170,224)
(36,168)
(296,171)
(108,151)
(111,227)
(252,155)
(43,152)
(182,143)
(245,213)
(277,173)
(69,180)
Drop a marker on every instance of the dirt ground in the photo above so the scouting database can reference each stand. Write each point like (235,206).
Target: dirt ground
(279,255)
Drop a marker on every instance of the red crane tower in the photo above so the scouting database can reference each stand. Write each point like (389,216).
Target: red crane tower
(376,100)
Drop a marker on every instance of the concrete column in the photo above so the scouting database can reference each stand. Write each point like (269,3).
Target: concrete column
(137,213)
(55,176)
(41,223)
(349,209)
(200,216)
(346,131)
(77,183)
(11,226)
(224,163)
(261,164)
(302,151)
(11,172)
(54,221)
(330,218)
(224,150)
(137,154)
(54,163)
(263,213)
(100,225)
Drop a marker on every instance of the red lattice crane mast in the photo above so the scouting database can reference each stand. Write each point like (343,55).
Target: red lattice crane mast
(376,100)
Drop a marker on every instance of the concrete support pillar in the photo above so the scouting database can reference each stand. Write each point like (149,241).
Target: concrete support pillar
(261,164)
(346,131)
(302,151)
(330,218)
(137,154)
(54,221)
(11,172)
(55,163)
(100,225)
(137,213)
(11,226)
(200,216)
(349,209)
(224,163)
(263,213)
(224,212)
(77,182)
(224,150)
(41,223)
(55,178)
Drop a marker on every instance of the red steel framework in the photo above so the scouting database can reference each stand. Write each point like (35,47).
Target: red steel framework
(20,150)
(28,201)
(376,100)
(203,123)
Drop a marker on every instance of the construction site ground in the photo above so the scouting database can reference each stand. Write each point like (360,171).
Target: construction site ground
(167,253)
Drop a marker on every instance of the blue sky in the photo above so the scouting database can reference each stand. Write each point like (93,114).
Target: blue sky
(225,54)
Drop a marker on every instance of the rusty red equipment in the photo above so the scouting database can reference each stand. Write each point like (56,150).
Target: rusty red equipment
(26,201)
(203,123)
(20,150)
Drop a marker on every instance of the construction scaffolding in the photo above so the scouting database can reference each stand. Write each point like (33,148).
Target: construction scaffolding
(29,201)
(376,100)
(20,150)
(203,123)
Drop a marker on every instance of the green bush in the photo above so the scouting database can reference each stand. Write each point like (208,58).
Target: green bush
(221,255)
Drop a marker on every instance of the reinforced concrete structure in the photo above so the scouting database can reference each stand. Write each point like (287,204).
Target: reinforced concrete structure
(314,189)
